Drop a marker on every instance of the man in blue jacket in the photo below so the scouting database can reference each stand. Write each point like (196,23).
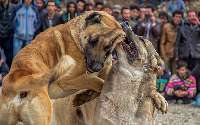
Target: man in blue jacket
(26,24)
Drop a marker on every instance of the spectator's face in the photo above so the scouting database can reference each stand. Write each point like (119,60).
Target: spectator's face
(192,17)
(182,71)
(177,19)
(126,14)
(99,7)
(148,12)
(80,6)
(134,13)
(116,14)
(3,1)
(89,7)
(163,19)
(27,2)
(39,4)
(51,7)
(108,10)
(72,8)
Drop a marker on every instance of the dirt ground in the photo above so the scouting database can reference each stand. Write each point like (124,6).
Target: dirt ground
(179,114)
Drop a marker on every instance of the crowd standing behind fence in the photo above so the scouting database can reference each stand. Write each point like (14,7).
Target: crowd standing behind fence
(173,27)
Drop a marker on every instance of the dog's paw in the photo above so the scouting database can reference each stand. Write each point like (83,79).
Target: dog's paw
(160,102)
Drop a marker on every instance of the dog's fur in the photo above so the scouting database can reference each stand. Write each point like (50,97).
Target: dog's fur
(55,65)
(129,94)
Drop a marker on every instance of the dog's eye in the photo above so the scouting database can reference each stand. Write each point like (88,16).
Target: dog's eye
(93,41)
(107,48)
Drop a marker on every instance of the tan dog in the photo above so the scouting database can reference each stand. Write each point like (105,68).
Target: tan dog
(56,62)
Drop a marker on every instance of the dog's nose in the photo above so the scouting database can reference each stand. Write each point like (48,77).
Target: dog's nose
(96,67)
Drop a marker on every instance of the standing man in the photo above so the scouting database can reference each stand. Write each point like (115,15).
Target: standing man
(188,44)
(168,41)
(26,24)
(51,18)
(126,16)
(6,29)
(148,26)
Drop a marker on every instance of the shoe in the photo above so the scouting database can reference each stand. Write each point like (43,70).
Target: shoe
(187,101)
(171,101)
(179,101)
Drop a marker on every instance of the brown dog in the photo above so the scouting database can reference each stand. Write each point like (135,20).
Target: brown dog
(56,62)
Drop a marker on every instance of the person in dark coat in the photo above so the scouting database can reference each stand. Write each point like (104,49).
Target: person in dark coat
(71,12)
(3,66)
(7,12)
(188,44)
(51,18)
(148,26)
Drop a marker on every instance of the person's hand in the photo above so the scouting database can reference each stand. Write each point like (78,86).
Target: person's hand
(197,21)
(1,77)
(161,71)
(153,19)
(180,93)
(1,62)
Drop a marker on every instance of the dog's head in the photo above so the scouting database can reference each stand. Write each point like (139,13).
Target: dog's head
(98,37)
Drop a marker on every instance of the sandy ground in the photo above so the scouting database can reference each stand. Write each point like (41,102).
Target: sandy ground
(179,114)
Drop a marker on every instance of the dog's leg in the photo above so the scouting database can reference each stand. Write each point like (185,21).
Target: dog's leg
(145,112)
(66,86)
(159,101)
(37,110)
(155,62)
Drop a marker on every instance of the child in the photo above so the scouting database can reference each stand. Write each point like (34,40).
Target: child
(182,85)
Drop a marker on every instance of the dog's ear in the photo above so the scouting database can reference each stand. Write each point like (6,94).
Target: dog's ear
(93,18)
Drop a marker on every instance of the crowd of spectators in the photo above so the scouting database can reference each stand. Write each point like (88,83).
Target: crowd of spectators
(171,25)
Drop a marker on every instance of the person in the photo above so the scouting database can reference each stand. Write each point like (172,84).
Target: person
(99,6)
(26,24)
(89,7)
(148,26)
(51,18)
(40,4)
(182,85)
(7,12)
(168,40)
(71,12)
(107,8)
(116,12)
(162,79)
(3,66)
(188,44)
(126,16)
(174,5)
(135,12)
(163,18)
(81,6)
(41,7)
